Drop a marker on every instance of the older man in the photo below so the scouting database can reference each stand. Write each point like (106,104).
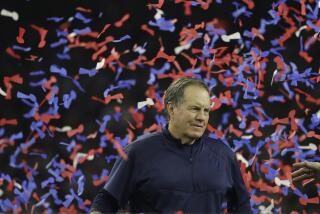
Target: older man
(306,170)
(179,168)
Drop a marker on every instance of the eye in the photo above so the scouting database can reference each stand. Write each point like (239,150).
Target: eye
(194,108)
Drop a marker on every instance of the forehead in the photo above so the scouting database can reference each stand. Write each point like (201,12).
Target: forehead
(196,95)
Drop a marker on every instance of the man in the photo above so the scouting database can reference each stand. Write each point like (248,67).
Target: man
(179,168)
(306,170)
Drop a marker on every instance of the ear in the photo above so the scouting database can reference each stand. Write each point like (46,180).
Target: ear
(170,108)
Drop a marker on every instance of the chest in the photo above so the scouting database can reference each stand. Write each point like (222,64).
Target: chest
(178,171)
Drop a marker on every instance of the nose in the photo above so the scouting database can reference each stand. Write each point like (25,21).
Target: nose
(201,116)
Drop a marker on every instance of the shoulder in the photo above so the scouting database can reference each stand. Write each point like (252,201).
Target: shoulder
(146,142)
(218,147)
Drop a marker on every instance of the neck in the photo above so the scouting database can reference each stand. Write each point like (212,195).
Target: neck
(177,135)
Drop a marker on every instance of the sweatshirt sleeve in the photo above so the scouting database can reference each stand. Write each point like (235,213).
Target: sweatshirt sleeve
(121,180)
(238,197)
(117,190)
(104,203)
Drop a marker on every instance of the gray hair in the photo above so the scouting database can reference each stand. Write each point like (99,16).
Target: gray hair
(175,92)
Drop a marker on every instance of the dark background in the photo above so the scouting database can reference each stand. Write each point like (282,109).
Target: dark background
(25,165)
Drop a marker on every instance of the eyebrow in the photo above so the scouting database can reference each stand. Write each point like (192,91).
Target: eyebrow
(196,105)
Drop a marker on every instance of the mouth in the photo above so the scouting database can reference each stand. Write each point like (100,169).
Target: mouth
(197,125)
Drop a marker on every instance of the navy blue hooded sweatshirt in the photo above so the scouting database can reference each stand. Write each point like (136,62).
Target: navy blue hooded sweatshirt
(163,175)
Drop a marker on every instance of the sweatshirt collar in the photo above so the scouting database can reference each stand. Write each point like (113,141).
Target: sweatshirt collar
(176,141)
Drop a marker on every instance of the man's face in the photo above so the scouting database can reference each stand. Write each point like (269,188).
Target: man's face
(189,119)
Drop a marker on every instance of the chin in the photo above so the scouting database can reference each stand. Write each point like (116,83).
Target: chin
(196,134)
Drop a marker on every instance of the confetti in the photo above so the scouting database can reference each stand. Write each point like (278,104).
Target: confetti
(78,87)
(228,38)
(3,93)
(14,15)
(100,64)
(145,103)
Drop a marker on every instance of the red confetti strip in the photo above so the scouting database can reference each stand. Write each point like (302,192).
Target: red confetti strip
(100,181)
(138,117)
(247,178)
(226,96)
(262,186)
(314,200)
(158,5)
(122,20)
(187,8)
(163,55)
(87,45)
(43,32)
(72,209)
(309,98)
(11,52)
(154,127)
(46,118)
(249,3)
(74,153)
(303,7)
(32,58)
(192,61)
(82,9)
(104,29)
(256,32)
(284,10)
(19,38)
(100,51)
(91,152)
(109,98)
(3,144)
(119,149)
(292,114)
(147,29)
(305,56)
(8,122)
(174,76)
(255,125)
(311,134)
(276,121)
(130,135)
(49,83)
(297,98)
(76,131)
(217,132)
(7,82)
(235,131)
(90,34)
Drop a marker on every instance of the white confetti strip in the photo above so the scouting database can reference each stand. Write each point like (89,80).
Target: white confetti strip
(100,64)
(268,209)
(274,74)
(16,184)
(64,129)
(71,35)
(2,92)
(246,137)
(79,156)
(178,49)
(142,104)
(311,146)
(158,14)
(14,15)
(300,29)
(282,182)
(227,38)
(242,159)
